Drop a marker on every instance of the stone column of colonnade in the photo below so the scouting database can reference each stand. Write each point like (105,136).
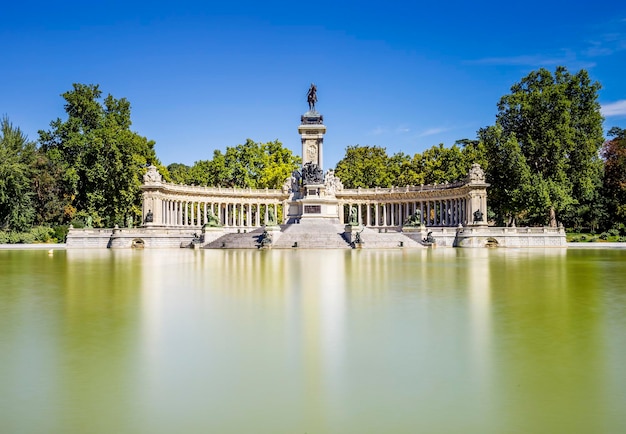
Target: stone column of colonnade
(436,212)
(230,213)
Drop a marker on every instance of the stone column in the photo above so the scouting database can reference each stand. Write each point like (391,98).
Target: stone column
(376,217)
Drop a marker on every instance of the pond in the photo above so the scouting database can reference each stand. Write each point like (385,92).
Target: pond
(234,341)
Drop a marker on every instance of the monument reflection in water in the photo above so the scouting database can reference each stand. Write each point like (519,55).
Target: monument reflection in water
(444,340)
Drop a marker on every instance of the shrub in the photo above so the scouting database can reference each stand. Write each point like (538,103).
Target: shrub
(4,237)
(60,233)
(575,240)
(583,238)
(604,236)
(77,223)
(613,232)
(42,234)
(621,240)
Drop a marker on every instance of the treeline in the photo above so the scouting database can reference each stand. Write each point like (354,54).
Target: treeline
(545,158)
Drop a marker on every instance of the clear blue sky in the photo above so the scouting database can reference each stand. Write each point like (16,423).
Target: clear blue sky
(205,75)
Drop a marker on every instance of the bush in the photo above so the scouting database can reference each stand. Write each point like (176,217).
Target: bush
(78,223)
(604,236)
(621,240)
(42,234)
(38,234)
(60,233)
(613,232)
(575,240)
(583,238)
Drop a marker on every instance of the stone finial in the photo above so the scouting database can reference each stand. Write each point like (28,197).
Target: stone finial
(152,175)
(476,174)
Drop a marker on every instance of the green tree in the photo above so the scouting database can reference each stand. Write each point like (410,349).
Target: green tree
(366,167)
(440,164)
(179,173)
(252,164)
(614,154)
(101,160)
(557,123)
(17,154)
(403,171)
(509,176)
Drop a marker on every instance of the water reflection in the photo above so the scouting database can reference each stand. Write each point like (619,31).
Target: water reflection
(443,340)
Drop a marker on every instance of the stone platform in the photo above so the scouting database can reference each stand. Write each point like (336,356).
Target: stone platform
(315,234)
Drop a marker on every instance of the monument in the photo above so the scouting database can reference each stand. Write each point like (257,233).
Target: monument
(313,192)
(312,209)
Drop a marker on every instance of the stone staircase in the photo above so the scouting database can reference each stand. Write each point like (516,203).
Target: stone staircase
(372,239)
(316,235)
(248,240)
(312,235)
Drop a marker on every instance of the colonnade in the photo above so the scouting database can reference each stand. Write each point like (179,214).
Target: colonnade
(436,212)
(173,205)
(235,213)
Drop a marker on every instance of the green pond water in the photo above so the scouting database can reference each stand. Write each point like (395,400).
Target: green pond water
(432,341)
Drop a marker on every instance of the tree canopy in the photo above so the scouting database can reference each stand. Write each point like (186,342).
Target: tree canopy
(101,161)
(614,153)
(555,120)
(251,164)
(17,158)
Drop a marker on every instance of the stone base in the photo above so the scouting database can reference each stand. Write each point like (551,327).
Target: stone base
(483,236)
(467,237)
(123,238)
(350,232)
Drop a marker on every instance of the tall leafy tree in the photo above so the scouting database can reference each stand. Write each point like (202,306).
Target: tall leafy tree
(614,154)
(366,167)
(102,161)
(251,164)
(509,176)
(17,154)
(179,173)
(439,164)
(402,170)
(557,122)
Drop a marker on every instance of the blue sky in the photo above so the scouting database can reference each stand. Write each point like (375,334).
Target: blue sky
(205,75)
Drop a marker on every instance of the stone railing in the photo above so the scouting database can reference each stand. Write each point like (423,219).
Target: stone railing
(406,189)
(195,190)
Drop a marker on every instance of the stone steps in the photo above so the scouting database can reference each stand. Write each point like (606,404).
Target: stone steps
(315,235)
(372,239)
(312,235)
(249,240)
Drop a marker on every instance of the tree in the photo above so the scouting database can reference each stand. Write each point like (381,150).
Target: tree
(366,167)
(440,164)
(402,170)
(101,160)
(252,164)
(179,173)
(557,122)
(509,176)
(17,153)
(614,154)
